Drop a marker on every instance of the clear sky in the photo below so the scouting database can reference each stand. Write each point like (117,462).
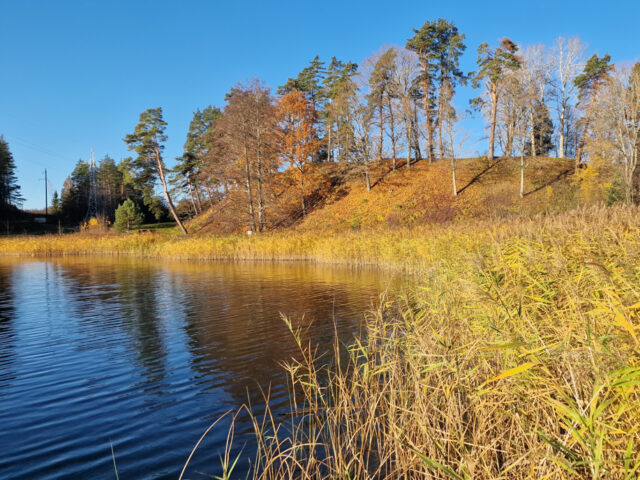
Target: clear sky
(76,74)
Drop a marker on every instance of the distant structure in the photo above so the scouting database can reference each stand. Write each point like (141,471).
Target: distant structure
(92,209)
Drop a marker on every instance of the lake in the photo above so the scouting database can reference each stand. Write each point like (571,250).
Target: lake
(144,355)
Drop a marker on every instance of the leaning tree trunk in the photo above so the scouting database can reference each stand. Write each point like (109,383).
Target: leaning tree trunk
(166,191)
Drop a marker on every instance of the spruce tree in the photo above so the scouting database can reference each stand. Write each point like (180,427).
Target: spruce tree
(127,216)
(9,188)
(56,204)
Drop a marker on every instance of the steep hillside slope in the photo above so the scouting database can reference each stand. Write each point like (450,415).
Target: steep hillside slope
(420,194)
(423,194)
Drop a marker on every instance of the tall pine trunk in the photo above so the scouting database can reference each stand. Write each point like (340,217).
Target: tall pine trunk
(191,194)
(415,134)
(428,115)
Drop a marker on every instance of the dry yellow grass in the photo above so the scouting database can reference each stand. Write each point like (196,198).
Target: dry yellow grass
(513,354)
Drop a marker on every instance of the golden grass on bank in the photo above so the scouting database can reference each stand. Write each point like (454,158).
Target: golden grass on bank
(514,354)
(402,247)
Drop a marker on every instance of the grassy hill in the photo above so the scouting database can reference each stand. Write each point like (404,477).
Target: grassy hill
(418,195)
(423,194)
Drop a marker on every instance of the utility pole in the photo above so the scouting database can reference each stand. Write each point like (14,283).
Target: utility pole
(46,196)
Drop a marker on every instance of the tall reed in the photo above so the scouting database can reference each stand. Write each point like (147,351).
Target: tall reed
(516,359)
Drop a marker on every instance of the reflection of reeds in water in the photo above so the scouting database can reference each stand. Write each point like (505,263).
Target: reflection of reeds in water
(517,359)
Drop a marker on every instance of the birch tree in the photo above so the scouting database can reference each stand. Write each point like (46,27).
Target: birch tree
(405,78)
(363,123)
(567,59)
(535,77)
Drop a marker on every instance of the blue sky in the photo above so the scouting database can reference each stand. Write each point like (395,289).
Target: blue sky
(76,74)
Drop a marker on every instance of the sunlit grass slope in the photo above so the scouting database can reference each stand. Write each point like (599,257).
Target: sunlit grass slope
(424,193)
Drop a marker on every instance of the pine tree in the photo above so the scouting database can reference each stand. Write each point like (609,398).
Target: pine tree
(188,170)
(109,180)
(309,81)
(9,188)
(494,66)
(338,86)
(147,141)
(381,92)
(439,46)
(425,44)
(593,77)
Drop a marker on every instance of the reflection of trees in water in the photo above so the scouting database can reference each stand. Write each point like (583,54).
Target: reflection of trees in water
(234,324)
(116,294)
(7,332)
(230,313)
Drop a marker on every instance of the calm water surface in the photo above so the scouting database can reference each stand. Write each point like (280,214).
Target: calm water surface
(144,356)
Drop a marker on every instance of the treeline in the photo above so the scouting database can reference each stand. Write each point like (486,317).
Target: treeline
(115,183)
(265,160)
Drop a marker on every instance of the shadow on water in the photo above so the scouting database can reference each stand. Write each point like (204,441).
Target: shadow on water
(146,356)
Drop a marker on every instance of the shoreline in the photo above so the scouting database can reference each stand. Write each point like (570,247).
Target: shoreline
(513,332)
(398,249)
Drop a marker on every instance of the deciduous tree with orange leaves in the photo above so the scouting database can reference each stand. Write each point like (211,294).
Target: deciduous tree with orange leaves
(298,143)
